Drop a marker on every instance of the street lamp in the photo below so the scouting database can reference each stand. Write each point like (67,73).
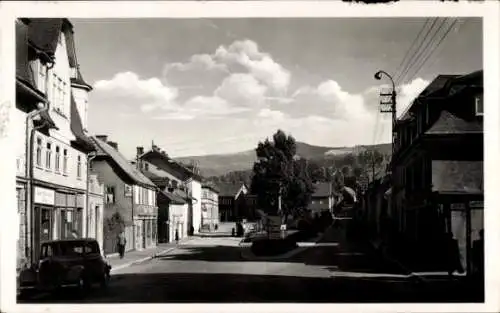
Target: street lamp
(378,76)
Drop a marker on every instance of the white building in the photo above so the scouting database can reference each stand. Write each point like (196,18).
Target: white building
(56,144)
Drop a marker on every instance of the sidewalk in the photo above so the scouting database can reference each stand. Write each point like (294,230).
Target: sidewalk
(135,257)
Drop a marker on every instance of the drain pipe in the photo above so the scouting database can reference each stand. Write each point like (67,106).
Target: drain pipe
(90,157)
(28,216)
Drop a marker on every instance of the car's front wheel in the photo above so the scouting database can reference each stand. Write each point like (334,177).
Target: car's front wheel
(105,280)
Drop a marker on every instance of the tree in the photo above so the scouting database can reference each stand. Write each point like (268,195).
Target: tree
(278,172)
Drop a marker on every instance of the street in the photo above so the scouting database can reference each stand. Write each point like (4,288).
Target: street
(212,269)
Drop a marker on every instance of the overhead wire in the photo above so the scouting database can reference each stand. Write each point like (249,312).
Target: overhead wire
(402,78)
(421,64)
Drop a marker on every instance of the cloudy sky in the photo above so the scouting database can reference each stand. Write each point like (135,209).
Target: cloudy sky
(208,86)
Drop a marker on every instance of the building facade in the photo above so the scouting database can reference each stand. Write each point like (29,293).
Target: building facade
(209,206)
(322,199)
(95,212)
(228,200)
(129,199)
(174,204)
(56,144)
(438,166)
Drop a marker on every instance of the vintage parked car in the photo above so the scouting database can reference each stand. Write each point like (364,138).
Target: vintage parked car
(66,263)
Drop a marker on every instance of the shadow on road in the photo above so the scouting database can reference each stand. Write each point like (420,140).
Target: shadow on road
(331,257)
(231,288)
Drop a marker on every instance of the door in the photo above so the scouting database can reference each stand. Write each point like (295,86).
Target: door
(43,227)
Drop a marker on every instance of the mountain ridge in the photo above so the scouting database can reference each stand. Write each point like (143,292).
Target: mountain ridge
(220,164)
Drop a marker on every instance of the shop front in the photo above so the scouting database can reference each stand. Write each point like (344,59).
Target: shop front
(69,214)
(44,221)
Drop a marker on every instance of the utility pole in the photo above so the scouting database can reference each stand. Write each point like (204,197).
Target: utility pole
(391,104)
(392,110)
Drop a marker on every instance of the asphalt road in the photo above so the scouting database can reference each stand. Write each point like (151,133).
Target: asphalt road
(213,270)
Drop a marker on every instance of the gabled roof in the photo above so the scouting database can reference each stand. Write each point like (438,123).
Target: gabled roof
(168,164)
(437,85)
(175,199)
(322,190)
(82,141)
(449,123)
(105,150)
(44,34)
(229,189)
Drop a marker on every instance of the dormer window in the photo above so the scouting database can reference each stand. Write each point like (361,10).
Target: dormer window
(479,107)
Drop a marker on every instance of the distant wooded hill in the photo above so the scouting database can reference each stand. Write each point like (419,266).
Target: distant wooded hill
(240,164)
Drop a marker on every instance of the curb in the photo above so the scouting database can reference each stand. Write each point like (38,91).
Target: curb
(149,257)
(138,261)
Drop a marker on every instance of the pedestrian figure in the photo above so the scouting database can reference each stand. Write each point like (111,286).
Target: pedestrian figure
(233,233)
(478,254)
(452,254)
(216,227)
(122,241)
(177,236)
(191,230)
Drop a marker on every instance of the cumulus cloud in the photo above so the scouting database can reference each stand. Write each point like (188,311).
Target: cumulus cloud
(242,89)
(242,56)
(197,61)
(149,94)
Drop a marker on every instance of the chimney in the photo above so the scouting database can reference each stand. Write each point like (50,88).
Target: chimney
(113,144)
(102,137)
(140,151)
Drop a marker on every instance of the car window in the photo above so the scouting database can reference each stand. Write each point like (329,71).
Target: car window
(71,249)
(47,251)
(91,247)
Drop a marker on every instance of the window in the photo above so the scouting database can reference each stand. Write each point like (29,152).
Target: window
(479,105)
(42,76)
(79,167)
(39,151)
(110,194)
(53,92)
(65,161)
(91,247)
(58,159)
(146,166)
(48,156)
(58,94)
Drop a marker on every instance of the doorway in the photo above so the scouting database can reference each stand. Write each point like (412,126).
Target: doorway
(43,227)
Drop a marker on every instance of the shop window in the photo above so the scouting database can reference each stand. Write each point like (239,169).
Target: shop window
(39,152)
(79,167)
(58,159)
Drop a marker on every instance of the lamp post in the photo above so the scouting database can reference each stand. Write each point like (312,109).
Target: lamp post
(392,110)
(392,103)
